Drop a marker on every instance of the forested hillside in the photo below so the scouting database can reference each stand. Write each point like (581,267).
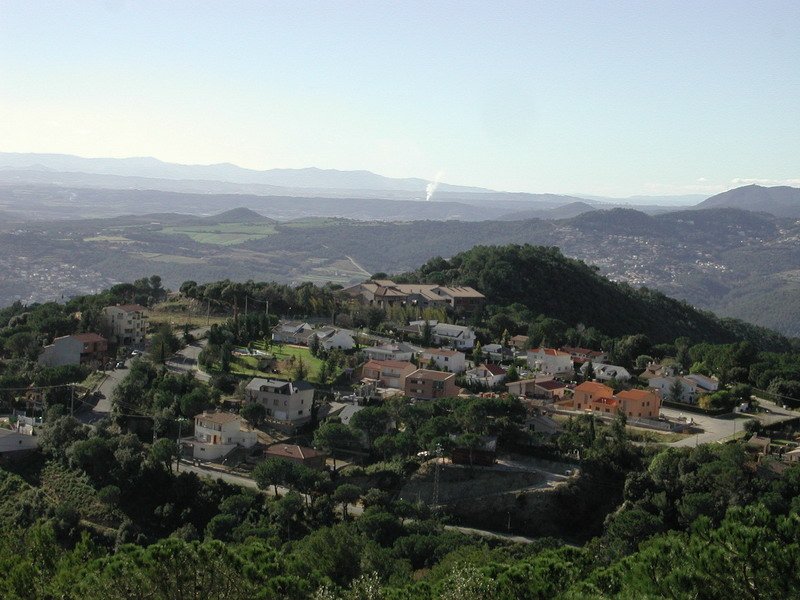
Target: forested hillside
(546,282)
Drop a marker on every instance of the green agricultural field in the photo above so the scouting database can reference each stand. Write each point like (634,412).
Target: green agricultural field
(223,234)
(109,238)
(169,258)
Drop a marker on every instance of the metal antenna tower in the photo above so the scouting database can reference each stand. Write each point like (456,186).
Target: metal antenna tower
(436,468)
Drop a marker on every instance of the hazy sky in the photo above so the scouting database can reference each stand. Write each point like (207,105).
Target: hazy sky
(594,97)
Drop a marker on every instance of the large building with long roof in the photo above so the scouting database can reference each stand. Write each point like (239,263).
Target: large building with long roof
(385,293)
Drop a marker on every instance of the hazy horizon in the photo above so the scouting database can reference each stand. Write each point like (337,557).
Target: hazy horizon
(606,99)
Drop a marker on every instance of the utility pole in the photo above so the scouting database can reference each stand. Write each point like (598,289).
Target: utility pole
(435,499)
(72,399)
(246,298)
(208,312)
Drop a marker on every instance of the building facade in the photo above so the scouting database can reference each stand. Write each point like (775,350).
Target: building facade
(288,403)
(429,385)
(445,359)
(389,373)
(126,324)
(216,434)
(88,349)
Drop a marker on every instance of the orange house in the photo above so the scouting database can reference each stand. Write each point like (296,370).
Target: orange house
(587,392)
(596,397)
(643,404)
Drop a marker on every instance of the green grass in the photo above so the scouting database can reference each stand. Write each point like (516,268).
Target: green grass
(223,234)
(169,258)
(94,378)
(180,312)
(108,238)
(248,365)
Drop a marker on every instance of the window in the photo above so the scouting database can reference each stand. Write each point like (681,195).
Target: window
(299,412)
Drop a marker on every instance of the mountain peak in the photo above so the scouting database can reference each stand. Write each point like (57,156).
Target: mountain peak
(238,215)
(781,201)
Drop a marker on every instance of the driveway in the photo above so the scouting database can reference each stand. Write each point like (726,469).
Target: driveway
(773,413)
(103,407)
(713,429)
(186,359)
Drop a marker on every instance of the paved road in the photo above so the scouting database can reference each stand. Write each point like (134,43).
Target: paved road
(773,413)
(186,359)
(713,429)
(103,407)
(224,475)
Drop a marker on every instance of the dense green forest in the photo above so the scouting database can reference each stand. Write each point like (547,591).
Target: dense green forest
(546,282)
(100,516)
(101,513)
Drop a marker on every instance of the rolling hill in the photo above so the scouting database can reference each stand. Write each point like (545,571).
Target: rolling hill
(547,283)
(781,201)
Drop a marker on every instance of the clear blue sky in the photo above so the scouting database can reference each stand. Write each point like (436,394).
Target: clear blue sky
(594,97)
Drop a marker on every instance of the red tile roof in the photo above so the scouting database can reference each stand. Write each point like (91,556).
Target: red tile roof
(592,387)
(393,364)
(291,451)
(494,369)
(551,384)
(89,337)
(549,351)
(635,395)
(441,351)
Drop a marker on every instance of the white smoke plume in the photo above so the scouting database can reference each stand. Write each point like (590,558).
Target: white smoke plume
(431,187)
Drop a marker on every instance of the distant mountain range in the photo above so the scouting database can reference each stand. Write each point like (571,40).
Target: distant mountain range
(224,172)
(311,184)
(63,229)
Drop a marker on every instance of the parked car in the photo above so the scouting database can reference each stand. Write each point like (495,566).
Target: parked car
(120,365)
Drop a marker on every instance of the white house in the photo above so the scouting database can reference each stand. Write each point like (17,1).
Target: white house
(330,338)
(550,361)
(453,336)
(80,349)
(288,403)
(447,360)
(690,391)
(395,351)
(126,324)
(291,332)
(707,384)
(603,372)
(487,375)
(216,434)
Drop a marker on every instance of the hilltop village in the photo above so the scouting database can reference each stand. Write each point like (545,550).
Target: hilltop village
(387,427)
